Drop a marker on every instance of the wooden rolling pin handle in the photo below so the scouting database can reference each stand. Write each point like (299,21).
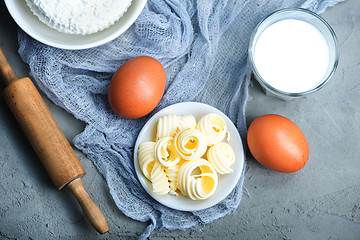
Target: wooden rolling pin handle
(6,71)
(91,210)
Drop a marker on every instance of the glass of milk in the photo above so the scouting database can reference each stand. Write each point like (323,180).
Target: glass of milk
(293,52)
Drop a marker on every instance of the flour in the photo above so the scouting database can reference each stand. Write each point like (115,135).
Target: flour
(79,16)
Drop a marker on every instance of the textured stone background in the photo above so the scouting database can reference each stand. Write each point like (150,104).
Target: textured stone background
(322,201)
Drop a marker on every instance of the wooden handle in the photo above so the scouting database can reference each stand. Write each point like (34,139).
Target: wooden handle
(92,212)
(5,70)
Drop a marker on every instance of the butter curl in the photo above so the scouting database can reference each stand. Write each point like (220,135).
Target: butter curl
(213,127)
(197,179)
(146,158)
(165,152)
(222,157)
(190,144)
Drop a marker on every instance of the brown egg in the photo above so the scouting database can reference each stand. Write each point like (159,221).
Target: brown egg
(137,87)
(277,143)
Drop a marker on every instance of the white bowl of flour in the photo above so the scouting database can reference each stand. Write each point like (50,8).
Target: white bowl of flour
(293,52)
(92,22)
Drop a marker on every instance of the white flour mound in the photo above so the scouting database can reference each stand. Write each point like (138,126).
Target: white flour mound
(79,16)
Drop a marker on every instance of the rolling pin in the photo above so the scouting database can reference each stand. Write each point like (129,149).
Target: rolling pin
(48,141)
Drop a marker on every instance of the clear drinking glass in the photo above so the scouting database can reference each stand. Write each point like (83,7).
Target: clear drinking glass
(303,15)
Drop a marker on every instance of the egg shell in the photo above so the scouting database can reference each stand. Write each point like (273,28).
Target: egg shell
(278,143)
(137,87)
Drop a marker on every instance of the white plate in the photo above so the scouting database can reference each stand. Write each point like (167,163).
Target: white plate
(30,23)
(226,182)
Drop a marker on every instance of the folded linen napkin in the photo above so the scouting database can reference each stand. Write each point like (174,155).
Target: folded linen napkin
(203,46)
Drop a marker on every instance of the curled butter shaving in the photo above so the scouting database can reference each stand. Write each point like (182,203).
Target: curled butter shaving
(187,121)
(222,157)
(197,179)
(165,152)
(190,144)
(146,158)
(213,127)
(166,126)
(171,173)
(159,180)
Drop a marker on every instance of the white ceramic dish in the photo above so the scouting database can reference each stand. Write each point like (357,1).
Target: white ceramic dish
(226,182)
(26,20)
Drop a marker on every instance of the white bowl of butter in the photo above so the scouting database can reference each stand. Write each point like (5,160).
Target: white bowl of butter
(293,52)
(225,183)
(36,28)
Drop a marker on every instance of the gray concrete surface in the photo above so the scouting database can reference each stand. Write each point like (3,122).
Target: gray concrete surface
(322,201)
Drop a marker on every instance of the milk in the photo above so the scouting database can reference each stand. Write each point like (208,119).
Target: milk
(292,56)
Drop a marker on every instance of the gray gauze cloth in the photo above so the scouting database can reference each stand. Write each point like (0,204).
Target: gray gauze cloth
(202,45)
